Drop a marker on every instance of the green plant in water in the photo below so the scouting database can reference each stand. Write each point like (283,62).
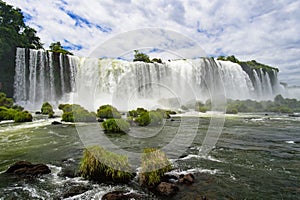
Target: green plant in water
(153,167)
(23,116)
(76,113)
(108,112)
(47,109)
(116,125)
(100,165)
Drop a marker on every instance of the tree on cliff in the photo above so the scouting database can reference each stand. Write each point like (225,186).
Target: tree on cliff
(56,47)
(13,33)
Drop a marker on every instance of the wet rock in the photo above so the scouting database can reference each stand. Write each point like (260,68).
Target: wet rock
(100,120)
(69,168)
(121,195)
(183,156)
(38,112)
(169,178)
(166,189)
(294,115)
(25,168)
(68,172)
(186,179)
(56,123)
(75,190)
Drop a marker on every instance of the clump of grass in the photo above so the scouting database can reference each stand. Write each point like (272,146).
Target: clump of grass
(153,167)
(103,166)
(116,126)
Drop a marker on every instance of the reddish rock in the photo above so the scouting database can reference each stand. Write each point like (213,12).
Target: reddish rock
(25,168)
(186,179)
(166,189)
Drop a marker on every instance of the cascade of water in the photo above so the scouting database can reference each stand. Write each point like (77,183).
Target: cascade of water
(41,77)
(277,87)
(237,83)
(266,85)
(73,63)
(51,73)
(258,85)
(61,67)
(20,94)
(100,81)
(32,76)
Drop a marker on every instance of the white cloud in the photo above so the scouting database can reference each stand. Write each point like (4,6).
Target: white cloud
(266,31)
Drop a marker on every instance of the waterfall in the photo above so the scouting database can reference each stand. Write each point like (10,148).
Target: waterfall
(51,73)
(45,76)
(41,76)
(20,93)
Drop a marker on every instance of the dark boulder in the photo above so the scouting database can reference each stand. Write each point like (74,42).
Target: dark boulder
(186,178)
(121,195)
(100,120)
(166,189)
(294,115)
(56,123)
(25,168)
(38,112)
(75,190)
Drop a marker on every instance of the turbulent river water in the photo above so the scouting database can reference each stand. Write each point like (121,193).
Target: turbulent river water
(256,157)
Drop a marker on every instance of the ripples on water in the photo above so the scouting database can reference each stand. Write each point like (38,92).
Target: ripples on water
(256,157)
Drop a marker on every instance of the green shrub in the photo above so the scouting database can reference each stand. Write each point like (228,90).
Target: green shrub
(116,125)
(153,167)
(108,112)
(143,119)
(68,117)
(47,109)
(141,57)
(141,110)
(100,165)
(17,107)
(23,116)
(158,60)
(133,113)
(76,113)
(156,117)
(231,111)
(166,113)
(203,109)
(7,113)
(284,109)
(4,101)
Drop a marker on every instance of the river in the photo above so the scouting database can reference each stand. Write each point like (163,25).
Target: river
(256,157)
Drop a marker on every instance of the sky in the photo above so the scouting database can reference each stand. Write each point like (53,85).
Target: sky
(263,30)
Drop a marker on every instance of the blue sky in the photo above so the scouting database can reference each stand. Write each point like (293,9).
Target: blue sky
(267,31)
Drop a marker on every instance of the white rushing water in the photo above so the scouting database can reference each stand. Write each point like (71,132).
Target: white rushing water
(44,76)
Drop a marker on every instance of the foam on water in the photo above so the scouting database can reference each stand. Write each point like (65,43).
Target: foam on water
(34,124)
(190,156)
(290,142)
(194,171)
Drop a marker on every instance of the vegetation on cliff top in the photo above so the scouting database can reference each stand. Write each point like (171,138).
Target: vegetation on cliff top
(142,57)
(253,64)
(57,48)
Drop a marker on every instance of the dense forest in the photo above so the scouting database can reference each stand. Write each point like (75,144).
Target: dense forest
(13,33)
